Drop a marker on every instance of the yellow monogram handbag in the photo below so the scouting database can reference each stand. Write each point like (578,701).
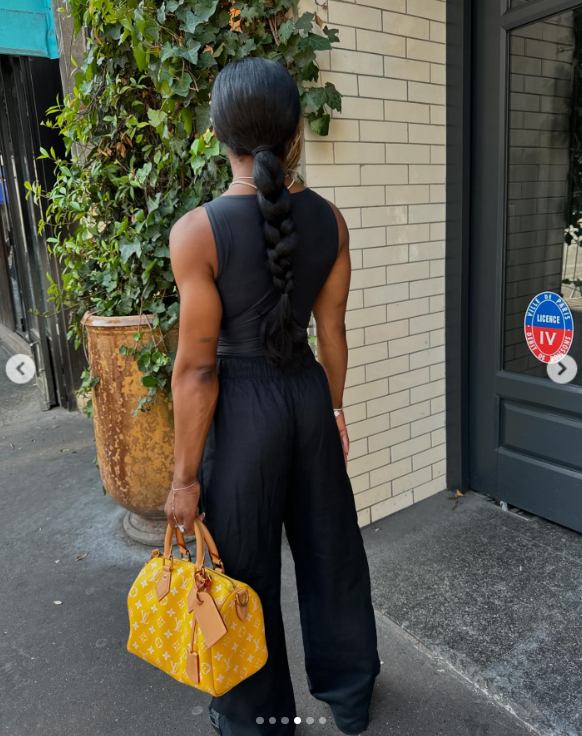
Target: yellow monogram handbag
(196,624)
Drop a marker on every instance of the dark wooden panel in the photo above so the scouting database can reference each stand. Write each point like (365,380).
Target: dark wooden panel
(542,488)
(541,391)
(548,436)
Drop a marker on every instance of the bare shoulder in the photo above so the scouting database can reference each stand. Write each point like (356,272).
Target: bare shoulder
(343,232)
(191,229)
(192,241)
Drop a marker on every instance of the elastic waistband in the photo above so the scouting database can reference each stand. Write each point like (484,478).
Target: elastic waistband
(245,366)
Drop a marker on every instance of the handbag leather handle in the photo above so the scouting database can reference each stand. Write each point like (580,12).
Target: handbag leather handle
(169,542)
(202,536)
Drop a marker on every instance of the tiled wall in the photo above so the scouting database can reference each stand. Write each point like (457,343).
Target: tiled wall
(383,164)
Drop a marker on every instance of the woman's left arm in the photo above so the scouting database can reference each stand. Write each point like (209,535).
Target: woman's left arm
(194,379)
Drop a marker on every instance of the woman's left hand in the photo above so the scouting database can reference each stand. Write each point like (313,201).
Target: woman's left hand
(343,430)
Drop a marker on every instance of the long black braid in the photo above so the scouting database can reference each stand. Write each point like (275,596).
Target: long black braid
(256,111)
(281,336)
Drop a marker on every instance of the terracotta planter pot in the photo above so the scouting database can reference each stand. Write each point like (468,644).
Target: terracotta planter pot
(135,453)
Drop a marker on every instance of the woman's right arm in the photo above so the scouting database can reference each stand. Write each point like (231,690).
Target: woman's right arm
(194,380)
(329,311)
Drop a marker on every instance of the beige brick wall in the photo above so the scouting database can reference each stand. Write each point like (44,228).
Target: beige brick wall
(383,165)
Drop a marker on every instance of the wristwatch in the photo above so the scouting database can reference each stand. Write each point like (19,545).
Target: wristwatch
(337,412)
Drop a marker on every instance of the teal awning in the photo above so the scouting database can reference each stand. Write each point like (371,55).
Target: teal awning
(27,28)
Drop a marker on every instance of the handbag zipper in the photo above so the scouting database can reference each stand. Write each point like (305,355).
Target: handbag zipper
(222,575)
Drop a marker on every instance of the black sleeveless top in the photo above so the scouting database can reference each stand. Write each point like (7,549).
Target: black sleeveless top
(244,283)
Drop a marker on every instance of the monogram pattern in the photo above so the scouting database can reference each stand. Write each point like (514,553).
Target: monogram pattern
(160,631)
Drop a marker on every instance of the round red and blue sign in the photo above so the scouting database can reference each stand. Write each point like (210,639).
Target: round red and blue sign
(549,327)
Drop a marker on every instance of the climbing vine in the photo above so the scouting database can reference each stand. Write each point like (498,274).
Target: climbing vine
(141,151)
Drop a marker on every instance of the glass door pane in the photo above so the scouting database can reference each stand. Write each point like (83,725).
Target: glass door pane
(544,188)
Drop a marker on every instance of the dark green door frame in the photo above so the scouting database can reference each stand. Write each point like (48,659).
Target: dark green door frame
(458,118)
(490,410)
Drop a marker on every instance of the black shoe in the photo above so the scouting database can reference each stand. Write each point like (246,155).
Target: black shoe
(214,719)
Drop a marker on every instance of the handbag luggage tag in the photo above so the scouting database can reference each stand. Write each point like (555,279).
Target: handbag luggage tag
(193,666)
(163,584)
(204,609)
(192,660)
(208,617)
(200,583)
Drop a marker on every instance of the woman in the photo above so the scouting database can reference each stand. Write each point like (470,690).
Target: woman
(264,451)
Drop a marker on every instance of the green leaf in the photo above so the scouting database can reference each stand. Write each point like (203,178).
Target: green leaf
(125,21)
(333,97)
(140,54)
(127,248)
(286,31)
(206,60)
(198,145)
(190,52)
(248,46)
(252,11)
(310,72)
(162,251)
(197,164)
(187,115)
(305,56)
(142,173)
(213,149)
(319,43)
(191,20)
(157,117)
(169,51)
(315,97)
(139,20)
(181,86)
(202,118)
(149,381)
(305,22)
(319,123)
(332,34)
(174,311)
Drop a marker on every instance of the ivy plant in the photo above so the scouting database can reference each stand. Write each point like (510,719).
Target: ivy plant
(140,151)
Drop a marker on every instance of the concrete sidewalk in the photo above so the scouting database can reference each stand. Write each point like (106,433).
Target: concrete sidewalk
(64,668)
(496,594)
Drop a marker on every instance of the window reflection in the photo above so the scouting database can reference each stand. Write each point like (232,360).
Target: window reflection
(544,193)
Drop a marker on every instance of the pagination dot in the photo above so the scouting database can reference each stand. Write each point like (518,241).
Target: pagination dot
(297,719)
(284,720)
(322,719)
(272,719)
(260,720)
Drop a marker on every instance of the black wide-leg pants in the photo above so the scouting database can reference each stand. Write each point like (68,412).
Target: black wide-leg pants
(273,457)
